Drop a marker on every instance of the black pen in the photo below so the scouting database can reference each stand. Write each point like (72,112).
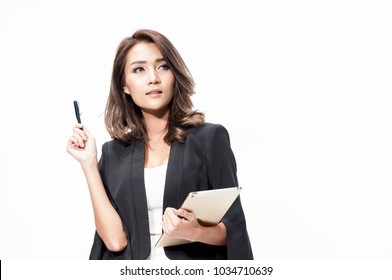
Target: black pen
(77,111)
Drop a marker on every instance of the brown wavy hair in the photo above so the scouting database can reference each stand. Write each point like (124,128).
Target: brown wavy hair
(124,119)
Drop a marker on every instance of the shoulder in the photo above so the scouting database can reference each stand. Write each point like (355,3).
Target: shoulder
(115,146)
(209,137)
(207,131)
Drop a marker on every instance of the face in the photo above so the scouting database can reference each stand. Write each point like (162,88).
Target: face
(148,78)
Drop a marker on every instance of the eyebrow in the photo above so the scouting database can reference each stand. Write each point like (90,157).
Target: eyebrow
(145,61)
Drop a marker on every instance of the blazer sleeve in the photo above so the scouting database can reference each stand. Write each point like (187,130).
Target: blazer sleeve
(222,172)
(99,250)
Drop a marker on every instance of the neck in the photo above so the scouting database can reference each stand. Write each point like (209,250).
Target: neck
(156,125)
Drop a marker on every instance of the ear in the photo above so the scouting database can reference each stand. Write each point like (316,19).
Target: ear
(125,88)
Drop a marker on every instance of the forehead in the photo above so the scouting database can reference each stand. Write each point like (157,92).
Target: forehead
(144,51)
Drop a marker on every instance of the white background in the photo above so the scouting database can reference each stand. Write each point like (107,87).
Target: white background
(304,88)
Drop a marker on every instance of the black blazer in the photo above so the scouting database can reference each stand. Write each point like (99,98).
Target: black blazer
(204,161)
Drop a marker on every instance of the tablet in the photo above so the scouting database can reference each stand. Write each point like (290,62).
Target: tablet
(209,206)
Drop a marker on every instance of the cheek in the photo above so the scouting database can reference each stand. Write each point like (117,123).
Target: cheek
(171,81)
(133,86)
(129,83)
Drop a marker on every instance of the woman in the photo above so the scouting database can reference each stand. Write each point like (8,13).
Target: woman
(161,150)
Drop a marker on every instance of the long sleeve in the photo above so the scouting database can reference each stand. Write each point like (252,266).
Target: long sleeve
(222,172)
(206,161)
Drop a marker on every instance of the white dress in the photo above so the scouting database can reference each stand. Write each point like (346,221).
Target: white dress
(154,181)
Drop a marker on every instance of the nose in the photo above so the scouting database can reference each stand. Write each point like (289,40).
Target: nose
(153,77)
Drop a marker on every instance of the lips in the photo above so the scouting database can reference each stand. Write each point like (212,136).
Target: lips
(154,91)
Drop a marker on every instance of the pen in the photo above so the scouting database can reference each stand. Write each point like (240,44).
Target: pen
(77,111)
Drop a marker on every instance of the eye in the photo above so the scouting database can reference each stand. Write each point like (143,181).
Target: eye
(138,69)
(164,67)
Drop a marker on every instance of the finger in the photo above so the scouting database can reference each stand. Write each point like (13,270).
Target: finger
(163,223)
(86,130)
(88,134)
(172,215)
(79,125)
(77,142)
(80,132)
(72,141)
(170,220)
(166,224)
(169,211)
(79,138)
(167,217)
(182,213)
(70,144)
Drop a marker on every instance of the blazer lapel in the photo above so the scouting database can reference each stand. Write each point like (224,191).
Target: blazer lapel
(171,197)
(141,240)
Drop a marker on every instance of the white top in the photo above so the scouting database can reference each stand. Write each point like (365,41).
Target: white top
(154,181)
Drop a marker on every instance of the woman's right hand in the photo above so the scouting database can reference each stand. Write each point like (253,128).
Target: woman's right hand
(81,145)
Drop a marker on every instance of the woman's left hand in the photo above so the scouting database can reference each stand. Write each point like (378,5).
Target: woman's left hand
(180,224)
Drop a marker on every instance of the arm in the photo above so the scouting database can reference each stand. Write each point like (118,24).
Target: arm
(222,171)
(221,167)
(81,145)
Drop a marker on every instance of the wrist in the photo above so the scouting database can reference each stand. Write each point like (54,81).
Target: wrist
(89,164)
(198,234)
